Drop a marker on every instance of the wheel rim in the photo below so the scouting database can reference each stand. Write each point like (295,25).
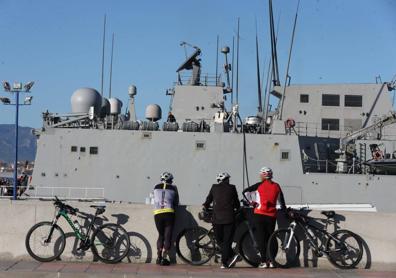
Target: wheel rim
(345,251)
(195,246)
(111,243)
(283,249)
(43,248)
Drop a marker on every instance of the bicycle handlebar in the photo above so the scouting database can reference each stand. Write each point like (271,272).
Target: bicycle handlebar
(69,209)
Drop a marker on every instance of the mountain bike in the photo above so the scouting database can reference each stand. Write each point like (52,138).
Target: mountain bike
(46,241)
(343,248)
(197,245)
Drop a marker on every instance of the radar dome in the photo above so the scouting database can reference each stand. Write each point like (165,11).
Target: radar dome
(83,98)
(132,91)
(153,112)
(115,106)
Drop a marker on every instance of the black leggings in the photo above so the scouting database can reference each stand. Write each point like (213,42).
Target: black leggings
(164,223)
(224,234)
(265,226)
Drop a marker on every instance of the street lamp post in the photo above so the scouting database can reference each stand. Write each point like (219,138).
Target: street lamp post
(16,89)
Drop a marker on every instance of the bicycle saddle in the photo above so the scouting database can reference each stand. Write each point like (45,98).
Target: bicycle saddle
(328,213)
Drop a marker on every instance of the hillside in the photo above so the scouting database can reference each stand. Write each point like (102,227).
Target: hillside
(27,143)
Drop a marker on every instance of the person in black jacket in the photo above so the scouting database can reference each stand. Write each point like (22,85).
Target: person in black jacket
(225,201)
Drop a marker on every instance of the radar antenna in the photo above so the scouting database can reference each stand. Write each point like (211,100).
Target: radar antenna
(191,63)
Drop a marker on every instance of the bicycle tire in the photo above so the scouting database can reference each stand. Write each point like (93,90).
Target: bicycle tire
(115,246)
(339,257)
(34,248)
(193,253)
(247,250)
(286,258)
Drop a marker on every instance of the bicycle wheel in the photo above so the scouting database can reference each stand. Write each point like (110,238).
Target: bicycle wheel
(110,243)
(43,247)
(283,249)
(195,246)
(345,249)
(248,250)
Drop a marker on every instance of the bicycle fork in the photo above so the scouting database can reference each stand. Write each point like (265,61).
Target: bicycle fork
(54,221)
(287,240)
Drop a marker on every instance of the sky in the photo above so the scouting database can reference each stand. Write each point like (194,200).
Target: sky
(58,44)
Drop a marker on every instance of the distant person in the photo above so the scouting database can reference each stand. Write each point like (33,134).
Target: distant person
(263,196)
(225,201)
(171,118)
(166,199)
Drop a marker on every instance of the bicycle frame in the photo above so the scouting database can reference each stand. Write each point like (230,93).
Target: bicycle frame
(81,236)
(325,235)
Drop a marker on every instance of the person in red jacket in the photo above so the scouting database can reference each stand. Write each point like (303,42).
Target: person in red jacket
(264,196)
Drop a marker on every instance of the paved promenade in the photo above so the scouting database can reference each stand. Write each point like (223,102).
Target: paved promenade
(21,269)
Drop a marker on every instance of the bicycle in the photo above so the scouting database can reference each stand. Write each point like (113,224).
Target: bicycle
(197,245)
(46,241)
(343,248)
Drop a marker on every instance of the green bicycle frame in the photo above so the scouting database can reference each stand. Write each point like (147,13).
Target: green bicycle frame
(77,232)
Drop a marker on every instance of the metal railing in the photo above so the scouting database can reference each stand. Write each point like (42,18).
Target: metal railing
(205,80)
(64,192)
(315,129)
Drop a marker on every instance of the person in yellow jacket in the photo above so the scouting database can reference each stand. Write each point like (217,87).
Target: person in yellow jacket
(166,199)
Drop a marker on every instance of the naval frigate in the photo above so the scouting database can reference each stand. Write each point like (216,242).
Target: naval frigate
(323,153)
(329,145)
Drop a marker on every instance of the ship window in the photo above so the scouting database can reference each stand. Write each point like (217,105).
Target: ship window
(200,145)
(73,149)
(82,149)
(330,124)
(284,155)
(330,100)
(353,101)
(304,98)
(93,150)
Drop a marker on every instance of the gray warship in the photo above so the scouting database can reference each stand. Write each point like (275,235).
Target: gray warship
(329,145)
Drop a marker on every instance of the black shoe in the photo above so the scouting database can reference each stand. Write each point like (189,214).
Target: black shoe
(158,261)
(165,262)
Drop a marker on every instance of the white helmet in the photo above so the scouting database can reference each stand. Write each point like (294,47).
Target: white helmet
(222,177)
(266,172)
(166,176)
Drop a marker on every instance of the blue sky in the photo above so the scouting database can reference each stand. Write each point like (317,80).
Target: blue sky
(58,44)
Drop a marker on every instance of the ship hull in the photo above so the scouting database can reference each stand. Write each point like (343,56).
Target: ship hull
(128,164)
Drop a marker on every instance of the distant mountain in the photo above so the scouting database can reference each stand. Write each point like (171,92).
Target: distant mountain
(27,143)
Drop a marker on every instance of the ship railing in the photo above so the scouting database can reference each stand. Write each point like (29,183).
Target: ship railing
(65,192)
(316,129)
(206,79)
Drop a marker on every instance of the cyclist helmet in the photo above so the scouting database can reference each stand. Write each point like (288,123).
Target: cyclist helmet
(222,177)
(266,172)
(167,177)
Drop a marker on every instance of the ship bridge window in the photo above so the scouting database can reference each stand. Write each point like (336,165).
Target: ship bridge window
(330,100)
(82,149)
(73,149)
(93,150)
(353,101)
(330,124)
(304,98)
